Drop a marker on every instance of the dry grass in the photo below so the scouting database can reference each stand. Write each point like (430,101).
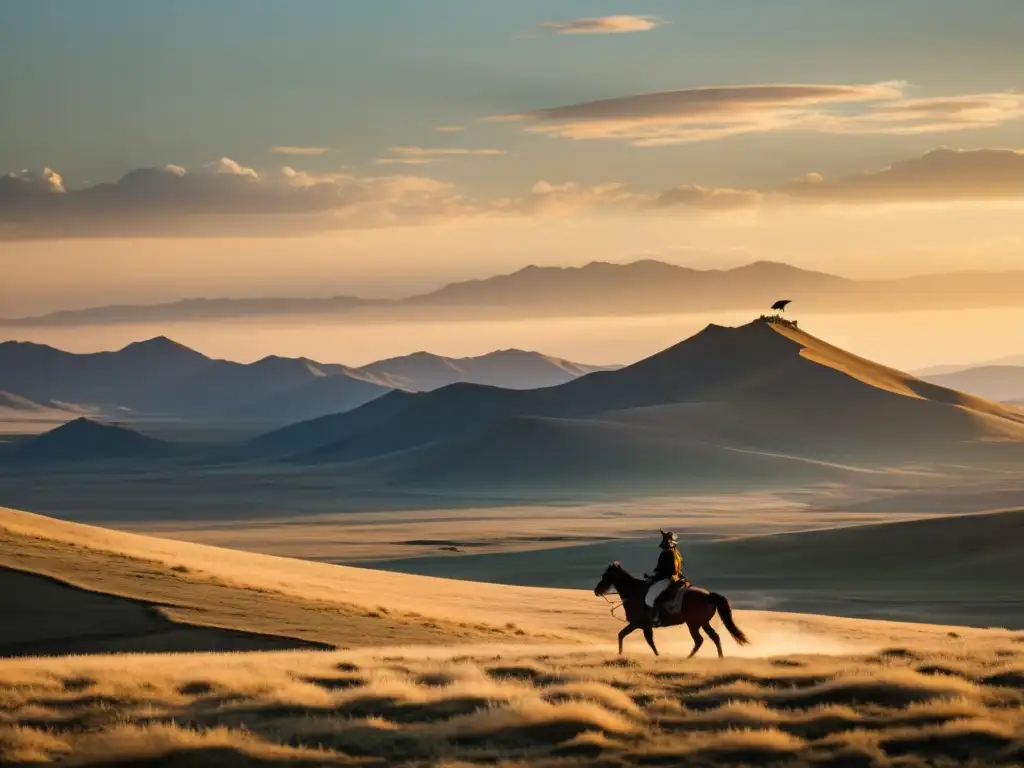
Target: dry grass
(517,708)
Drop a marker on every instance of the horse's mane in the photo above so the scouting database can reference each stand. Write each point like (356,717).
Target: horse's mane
(626,574)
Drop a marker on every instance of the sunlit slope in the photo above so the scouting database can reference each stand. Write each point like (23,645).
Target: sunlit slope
(354,607)
(312,601)
(883,377)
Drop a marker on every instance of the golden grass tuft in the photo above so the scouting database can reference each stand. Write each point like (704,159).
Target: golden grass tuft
(523,709)
(214,746)
(21,744)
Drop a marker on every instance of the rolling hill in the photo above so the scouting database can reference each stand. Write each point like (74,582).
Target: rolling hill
(86,440)
(724,398)
(423,671)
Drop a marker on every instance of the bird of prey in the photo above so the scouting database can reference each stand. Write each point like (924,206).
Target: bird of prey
(781,304)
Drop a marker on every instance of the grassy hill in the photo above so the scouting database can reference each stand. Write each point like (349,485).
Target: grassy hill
(423,689)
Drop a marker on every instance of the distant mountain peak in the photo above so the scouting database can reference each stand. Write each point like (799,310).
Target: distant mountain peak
(155,343)
(84,424)
(510,352)
(160,345)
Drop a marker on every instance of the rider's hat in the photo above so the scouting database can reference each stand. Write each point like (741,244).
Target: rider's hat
(668,536)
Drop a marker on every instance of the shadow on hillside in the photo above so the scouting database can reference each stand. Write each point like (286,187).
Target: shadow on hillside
(56,619)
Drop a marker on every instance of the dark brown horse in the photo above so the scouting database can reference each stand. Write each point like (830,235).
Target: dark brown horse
(696,611)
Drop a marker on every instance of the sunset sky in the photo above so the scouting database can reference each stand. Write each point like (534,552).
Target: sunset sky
(150,151)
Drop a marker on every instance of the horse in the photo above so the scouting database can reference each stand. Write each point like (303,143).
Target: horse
(698,608)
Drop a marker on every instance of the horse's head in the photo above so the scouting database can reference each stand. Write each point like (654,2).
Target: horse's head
(609,579)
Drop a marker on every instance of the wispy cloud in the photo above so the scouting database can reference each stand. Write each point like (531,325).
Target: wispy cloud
(909,117)
(712,113)
(411,155)
(449,128)
(292,150)
(603,25)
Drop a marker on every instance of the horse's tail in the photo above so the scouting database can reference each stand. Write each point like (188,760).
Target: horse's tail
(725,611)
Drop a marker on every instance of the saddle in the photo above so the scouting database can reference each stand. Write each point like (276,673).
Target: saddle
(672,600)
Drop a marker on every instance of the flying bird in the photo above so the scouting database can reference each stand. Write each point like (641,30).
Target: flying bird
(781,304)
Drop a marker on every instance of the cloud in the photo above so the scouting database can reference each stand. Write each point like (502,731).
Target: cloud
(695,195)
(303,151)
(48,181)
(910,117)
(604,25)
(943,174)
(222,197)
(227,198)
(449,128)
(564,198)
(425,156)
(713,113)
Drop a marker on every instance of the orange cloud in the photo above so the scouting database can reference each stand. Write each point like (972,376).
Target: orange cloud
(604,25)
(425,155)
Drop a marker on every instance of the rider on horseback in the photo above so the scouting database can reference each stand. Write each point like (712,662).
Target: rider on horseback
(668,572)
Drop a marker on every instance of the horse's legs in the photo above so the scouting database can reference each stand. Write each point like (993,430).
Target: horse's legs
(649,637)
(714,638)
(698,641)
(625,632)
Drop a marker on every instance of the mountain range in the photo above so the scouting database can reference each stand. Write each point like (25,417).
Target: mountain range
(599,288)
(759,405)
(160,377)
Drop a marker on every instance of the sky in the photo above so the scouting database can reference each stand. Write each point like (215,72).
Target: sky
(151,151)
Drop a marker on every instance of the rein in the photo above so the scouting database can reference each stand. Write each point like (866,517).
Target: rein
(615,606)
